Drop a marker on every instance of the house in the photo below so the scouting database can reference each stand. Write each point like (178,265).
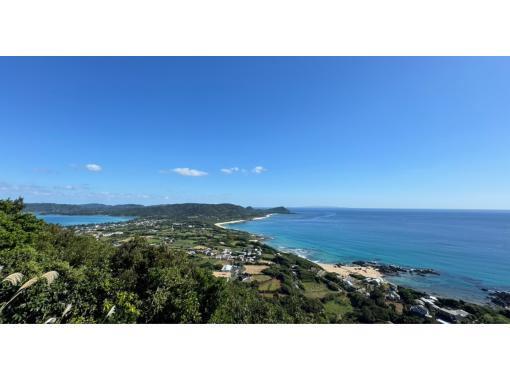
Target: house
(227,268)
(420,310)
(349,285)
(374,281)
(393,296)
(430,300)
(419,302)
(456,315)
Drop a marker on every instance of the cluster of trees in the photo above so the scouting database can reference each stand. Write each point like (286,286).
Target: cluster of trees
(184,211)
(50,275)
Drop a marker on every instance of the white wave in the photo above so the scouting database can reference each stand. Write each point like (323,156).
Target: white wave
(301,252)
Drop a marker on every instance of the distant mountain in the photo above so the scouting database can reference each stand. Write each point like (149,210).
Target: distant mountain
(184,211)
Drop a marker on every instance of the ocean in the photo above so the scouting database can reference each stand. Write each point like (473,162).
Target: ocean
(72,220)
(470,249)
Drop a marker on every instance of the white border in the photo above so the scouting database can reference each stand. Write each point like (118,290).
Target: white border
(262,27)
(254,352)
(255,27)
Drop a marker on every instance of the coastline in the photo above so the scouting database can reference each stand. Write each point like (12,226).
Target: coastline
(342,270)
(222,224)
(384,272)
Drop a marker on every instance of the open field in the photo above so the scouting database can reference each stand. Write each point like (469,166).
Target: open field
(260,278)
(270,286)
(254,269)
(222,274)
(338,307)
(315,290)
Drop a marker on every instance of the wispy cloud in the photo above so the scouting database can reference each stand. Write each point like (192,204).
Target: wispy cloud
(94,167)
(83,193)
(44,171)
(60,193)
(187,172)
(230,170)
(259,169)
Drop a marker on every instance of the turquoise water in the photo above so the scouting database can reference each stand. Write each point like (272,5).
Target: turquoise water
(470,249)
(72,220)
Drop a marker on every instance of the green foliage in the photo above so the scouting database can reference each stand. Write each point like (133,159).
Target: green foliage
(240,304)
(185,211)
(409,295)
(127,308)
(371,309)
(135,282)
(16,228)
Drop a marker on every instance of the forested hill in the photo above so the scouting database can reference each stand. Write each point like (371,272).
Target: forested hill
(201,211)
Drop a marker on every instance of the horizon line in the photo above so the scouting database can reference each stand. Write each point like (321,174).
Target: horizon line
(289,207)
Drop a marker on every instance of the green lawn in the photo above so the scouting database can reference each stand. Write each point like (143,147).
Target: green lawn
(315,290)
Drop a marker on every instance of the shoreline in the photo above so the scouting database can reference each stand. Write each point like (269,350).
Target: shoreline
(343,270)
(368,271)
(347,270)
(222,224)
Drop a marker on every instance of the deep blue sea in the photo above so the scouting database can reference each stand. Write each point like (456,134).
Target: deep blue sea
(72,220)
(470,249)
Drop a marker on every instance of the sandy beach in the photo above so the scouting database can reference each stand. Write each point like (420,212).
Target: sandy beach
(222,224)
(346,270)
(263,217)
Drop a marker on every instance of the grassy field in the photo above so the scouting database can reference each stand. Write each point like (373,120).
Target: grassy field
(270,286)
(338,307)
(260,278)
(268,256)
(210,262)
(254,269)
(315,290)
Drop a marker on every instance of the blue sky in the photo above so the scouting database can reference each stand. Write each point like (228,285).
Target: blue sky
(349,132)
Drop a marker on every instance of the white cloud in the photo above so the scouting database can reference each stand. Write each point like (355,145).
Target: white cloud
(187,172)
(93,167)
(230,170)
(259,169)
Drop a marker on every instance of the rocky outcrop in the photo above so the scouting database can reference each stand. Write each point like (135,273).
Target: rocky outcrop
(395,270)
